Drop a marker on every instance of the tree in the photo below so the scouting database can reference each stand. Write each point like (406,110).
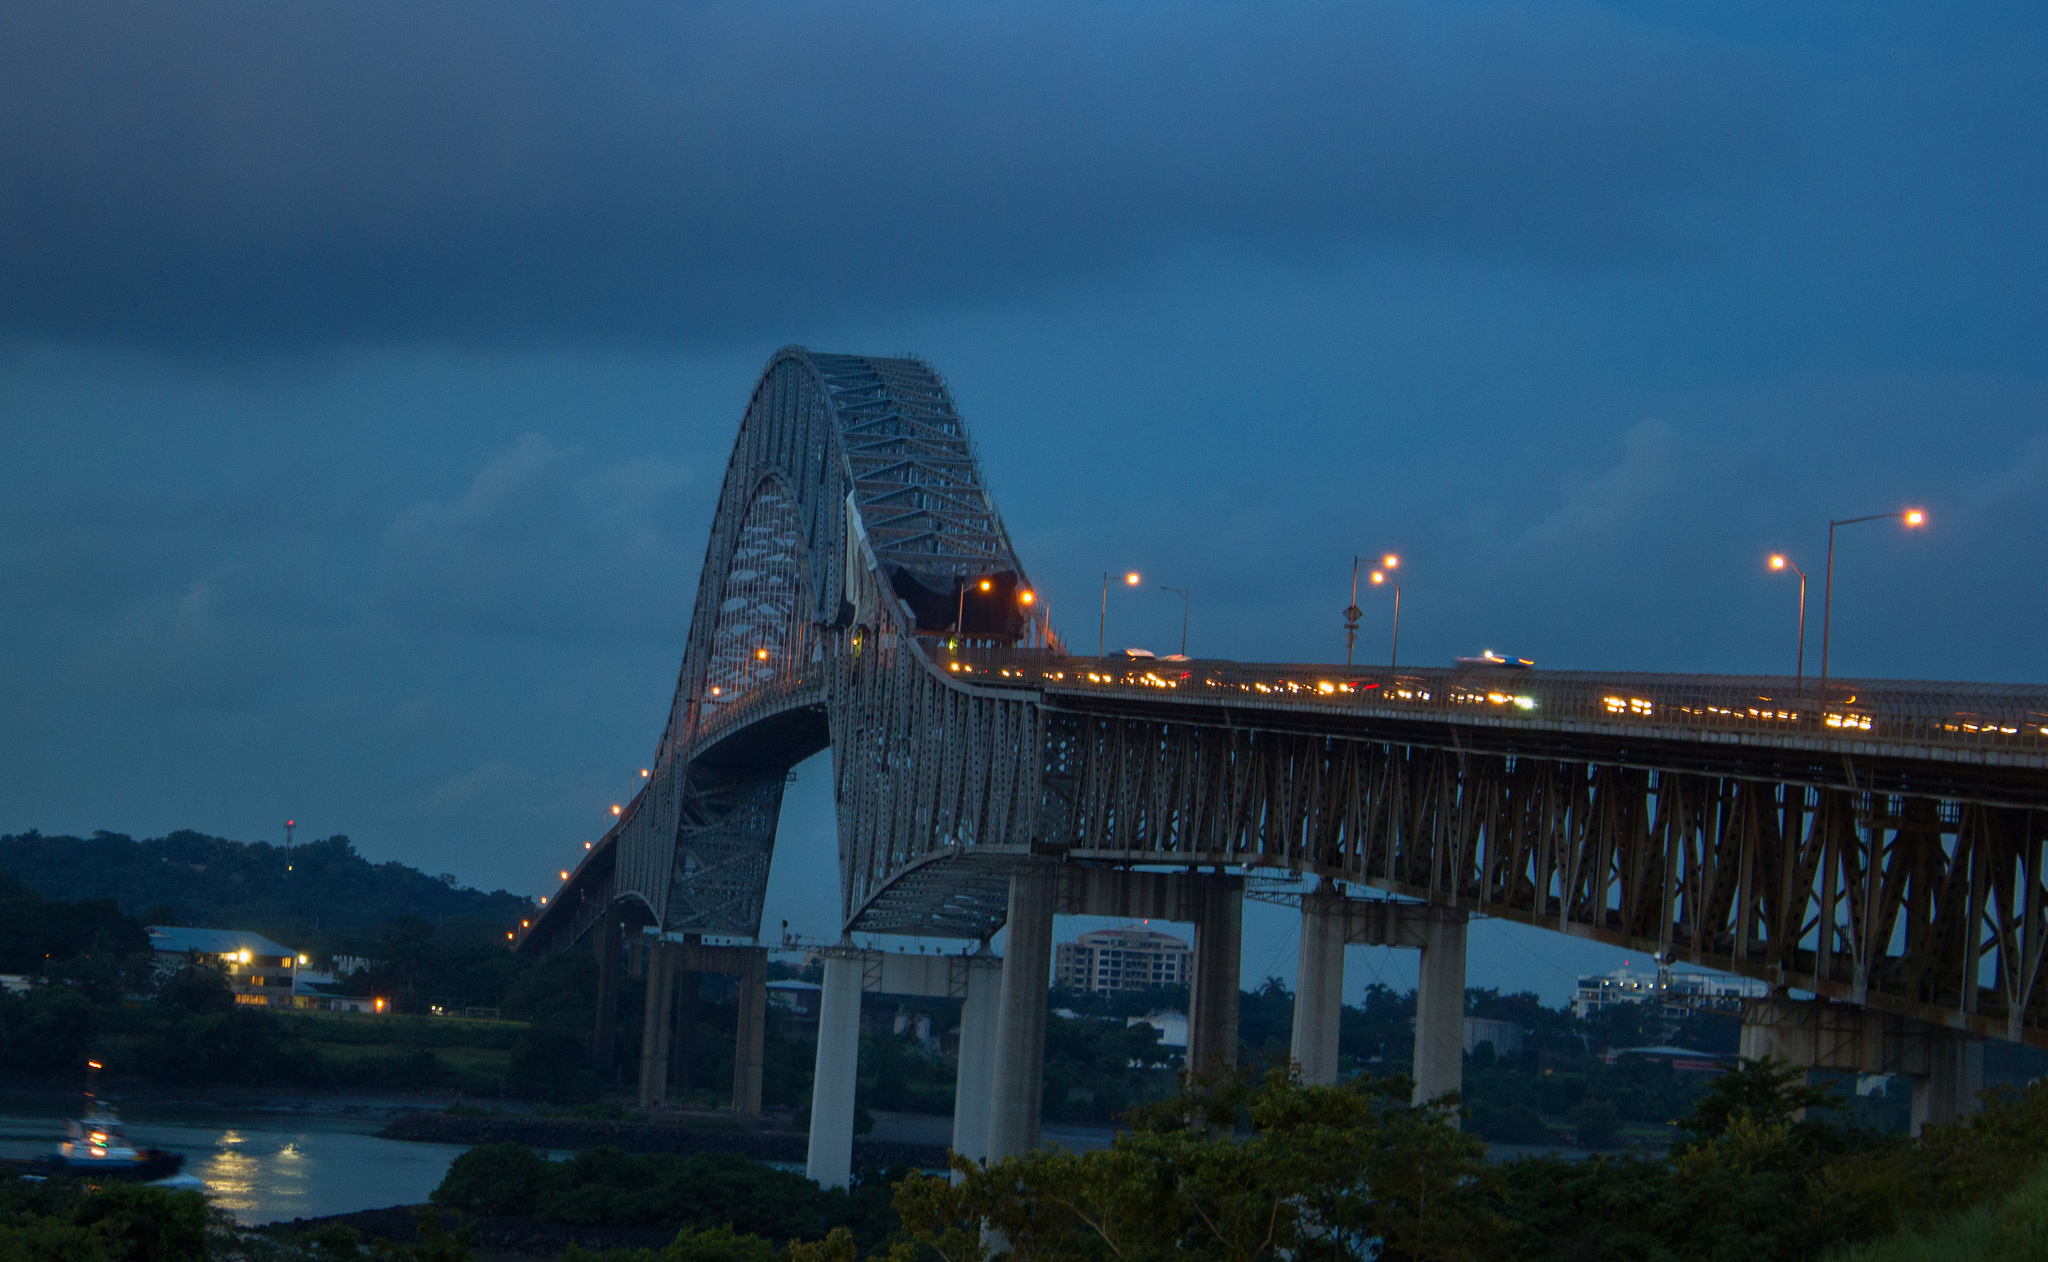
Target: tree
(1319,1172)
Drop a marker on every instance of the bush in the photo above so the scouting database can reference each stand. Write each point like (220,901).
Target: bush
(606,1187)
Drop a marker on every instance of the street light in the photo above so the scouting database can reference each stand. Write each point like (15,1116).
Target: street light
(1388,563)
(1781,562)
(1912,517)
(1102,637)
(1183,594)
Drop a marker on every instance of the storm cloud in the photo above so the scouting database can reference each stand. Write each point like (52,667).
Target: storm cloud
(491,172)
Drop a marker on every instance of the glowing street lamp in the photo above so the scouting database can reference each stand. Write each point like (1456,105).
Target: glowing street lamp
(1782,562)
(1388,564)
(1912,517)
(1102,639)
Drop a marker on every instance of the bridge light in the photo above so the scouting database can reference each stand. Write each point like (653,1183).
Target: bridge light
(1378,577)
(986,585)
(1026,597)
(1132,578)
(615,810)
(643,773)
(543,899)
(714,690)
(1914,517)
(1777,563)
(565,876)
(761,655)
(526,924)
(1390,561)
(586,845)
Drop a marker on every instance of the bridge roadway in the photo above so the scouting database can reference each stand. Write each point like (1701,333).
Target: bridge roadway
(1880,850)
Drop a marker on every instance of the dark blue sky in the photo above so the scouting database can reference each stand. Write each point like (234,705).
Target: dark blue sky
(366,375)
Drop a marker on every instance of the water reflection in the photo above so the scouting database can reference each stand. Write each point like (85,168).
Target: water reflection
(265,1168)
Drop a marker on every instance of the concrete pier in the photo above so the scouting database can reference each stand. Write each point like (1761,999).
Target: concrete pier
(832,1087)
(1440,1008)
(974,1083)
(750,1038)
(1212,998)
(1018,1078)
(1319,992)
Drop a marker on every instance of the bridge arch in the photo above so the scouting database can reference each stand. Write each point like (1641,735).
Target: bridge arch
(852,525)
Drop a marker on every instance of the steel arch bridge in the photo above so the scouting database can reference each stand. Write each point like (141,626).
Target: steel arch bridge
(1884,845)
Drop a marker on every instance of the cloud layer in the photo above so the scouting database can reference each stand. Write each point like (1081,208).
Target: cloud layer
(261,173)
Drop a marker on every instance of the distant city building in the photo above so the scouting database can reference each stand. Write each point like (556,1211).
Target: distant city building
(1122,959)
(1678,993)
(259,971)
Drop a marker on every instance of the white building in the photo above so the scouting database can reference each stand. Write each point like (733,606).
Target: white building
(1679,993)
(1172,1027)
(259,971)
(1132,958)
(1506,1036)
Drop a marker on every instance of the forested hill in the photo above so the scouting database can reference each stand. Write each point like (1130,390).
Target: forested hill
(189,878)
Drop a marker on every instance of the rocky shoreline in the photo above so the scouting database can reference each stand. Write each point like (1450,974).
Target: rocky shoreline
(643,1137)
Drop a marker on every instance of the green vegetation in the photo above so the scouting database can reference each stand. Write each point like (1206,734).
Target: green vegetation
(323,894)
(1247,1169)
(603,1186)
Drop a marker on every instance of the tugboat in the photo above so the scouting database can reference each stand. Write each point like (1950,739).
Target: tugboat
(95,1147)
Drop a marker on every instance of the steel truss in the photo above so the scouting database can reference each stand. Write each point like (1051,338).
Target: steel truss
(1884,848)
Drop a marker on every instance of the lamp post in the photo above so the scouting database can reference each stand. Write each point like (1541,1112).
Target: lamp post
(1912,517)
(1782,562)
(1102,637)
(1182,592)
(1378,576)
(960,613)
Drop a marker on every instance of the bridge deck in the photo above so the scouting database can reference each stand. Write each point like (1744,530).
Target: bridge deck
(1991,725)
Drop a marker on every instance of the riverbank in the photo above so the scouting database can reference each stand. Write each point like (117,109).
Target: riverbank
(565,1133)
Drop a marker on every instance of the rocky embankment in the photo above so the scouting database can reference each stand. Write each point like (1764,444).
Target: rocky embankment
(643,1137)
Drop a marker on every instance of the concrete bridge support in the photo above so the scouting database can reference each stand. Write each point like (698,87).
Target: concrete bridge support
(830,1160)
(1018,1077)
(1212,998)
(849,973)
(665,961)
(1319,986)
(1946,1066)
(974,1083)
(1440,1009)
(1330,922)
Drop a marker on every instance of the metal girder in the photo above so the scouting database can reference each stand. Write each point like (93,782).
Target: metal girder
(1883,846)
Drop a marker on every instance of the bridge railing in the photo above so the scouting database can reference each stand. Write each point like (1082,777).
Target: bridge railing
(1946,715)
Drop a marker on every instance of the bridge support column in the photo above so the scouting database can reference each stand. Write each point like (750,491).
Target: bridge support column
(604,1039)
(832,1086)
(689,987)
(1319,993)
(974,1083)
(1219,951)
(1955,1074)
(750,1035)
(1440,1008)
(657,1023)
(1018,1074)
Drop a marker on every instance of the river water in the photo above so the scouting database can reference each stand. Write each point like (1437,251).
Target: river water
(265,1165)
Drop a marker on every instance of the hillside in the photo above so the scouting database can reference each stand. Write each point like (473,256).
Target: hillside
(328,892)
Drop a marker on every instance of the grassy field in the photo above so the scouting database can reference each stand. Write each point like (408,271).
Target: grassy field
(2014,1229)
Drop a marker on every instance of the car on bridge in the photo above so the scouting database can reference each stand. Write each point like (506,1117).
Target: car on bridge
(1488,657)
